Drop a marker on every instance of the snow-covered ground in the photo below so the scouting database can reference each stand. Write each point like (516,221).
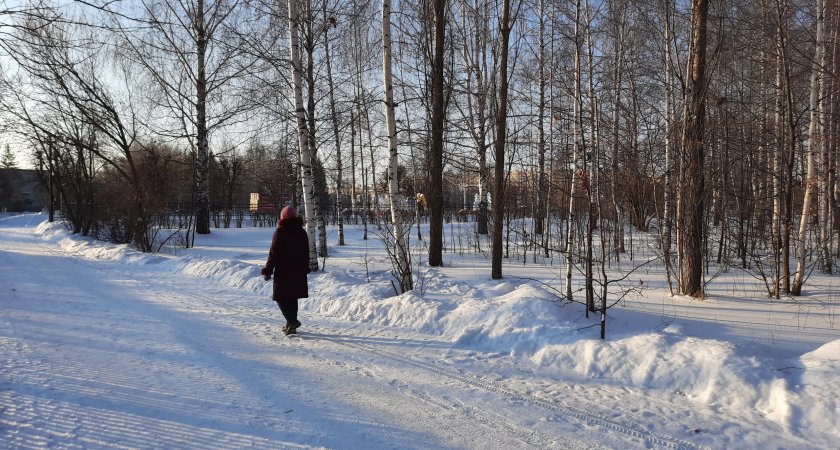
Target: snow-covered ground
(105,347)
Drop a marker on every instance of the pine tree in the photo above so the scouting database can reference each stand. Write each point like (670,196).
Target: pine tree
(7,160)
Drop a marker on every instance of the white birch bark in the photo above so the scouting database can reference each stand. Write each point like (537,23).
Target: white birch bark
(618,71)
(826,162)
(831,132)
(542,201)
(576,126)
(667,214)
(813,147)
(339,185)
(202,160)
(303,133)
(403,267)
(779,144)
(590,176)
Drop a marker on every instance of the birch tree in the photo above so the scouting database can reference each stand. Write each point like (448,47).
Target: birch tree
(577,153)
(309,39)
(828,161)
(339,186)
(786,135)
(303,132)
(814,138)
(542,187)
(400,255)
(619,14)
(186,53)
(667,207)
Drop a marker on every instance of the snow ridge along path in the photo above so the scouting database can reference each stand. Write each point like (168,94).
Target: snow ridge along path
(123,352)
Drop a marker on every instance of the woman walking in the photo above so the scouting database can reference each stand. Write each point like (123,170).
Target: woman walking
(288,263)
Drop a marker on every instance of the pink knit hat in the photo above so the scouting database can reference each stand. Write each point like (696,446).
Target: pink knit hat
(288,212)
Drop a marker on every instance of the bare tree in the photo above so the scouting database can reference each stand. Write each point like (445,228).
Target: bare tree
(402,260)
(478,95)
(505,25)
(667,206)
(578,171)
(542,186)
(691,203)
(334,118)
(814,141)
(436,145)
(68,103)
(303,132)
(189,51)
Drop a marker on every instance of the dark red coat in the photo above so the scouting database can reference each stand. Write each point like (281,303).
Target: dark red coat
(288,260)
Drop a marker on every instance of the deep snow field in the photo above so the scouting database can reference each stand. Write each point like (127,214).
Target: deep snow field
(105,347)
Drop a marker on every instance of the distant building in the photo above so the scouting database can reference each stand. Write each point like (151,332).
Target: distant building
(21,191)
(269,203)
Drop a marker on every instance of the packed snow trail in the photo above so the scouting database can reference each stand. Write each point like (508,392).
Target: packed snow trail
(100,355)
(106,357)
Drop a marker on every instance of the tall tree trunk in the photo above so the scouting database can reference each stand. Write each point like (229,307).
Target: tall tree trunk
(373,201)
(814,135)
(474,43)
(353,211)
(577,166)
(436,147)
(692,187)
(202,160)
(826,178)
(591,164)
(539,219)
(401,257)
(303,132)
(366,209)
(778,172)
(667,212)
(833,191)
(788,142)
(339,188)
(618,72)
(501,137)
(309,39)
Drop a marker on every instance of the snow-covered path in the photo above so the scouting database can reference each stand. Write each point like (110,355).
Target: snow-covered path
(98,354)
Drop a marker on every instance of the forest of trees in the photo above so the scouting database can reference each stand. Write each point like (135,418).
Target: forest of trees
(710,125)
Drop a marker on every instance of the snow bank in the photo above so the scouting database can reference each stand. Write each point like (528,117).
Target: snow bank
(526,321)
(21,220)
(230,272)
(815,388)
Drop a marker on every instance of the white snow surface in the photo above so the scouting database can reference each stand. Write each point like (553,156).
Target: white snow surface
(106,347)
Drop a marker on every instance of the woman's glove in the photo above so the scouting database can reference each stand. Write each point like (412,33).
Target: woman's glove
(265,273)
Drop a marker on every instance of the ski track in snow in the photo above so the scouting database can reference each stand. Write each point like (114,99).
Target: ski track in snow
(140,358)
